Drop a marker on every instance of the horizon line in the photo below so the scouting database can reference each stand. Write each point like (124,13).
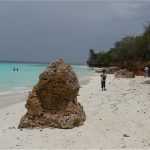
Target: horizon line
(36,62)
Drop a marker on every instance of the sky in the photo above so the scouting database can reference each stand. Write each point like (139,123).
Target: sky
(41,31)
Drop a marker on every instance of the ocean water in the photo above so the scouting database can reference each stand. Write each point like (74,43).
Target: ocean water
(15,82)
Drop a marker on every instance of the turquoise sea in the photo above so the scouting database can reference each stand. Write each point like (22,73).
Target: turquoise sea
(15,82)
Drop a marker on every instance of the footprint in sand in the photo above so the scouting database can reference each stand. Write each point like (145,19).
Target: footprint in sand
(145,142)
(13,127)
(124,146)
(18,145)
(124,94)
(114,107)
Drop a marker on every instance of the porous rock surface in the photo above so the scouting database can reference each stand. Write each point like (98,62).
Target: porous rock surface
(124,73)
(53,100)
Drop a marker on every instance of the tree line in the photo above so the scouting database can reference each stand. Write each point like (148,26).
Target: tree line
(129,48)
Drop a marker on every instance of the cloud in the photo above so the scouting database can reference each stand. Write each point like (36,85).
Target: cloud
(66,29)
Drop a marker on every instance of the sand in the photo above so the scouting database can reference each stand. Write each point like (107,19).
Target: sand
(116,118)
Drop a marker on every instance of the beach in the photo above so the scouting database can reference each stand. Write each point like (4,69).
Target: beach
(116,118)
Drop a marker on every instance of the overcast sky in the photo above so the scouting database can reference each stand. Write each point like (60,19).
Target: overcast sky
(41,31)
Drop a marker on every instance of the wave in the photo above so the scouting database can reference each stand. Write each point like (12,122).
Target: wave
(84,80)
(22,89)
(15,90)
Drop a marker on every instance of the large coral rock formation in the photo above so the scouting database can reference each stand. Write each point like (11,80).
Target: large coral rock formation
(112,70)
(124,73)
(53,101)
(109,70)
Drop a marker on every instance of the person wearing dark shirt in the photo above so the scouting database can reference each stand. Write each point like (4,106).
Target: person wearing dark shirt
(103,76)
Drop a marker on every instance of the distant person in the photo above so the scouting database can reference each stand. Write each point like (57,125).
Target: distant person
(103,76)
(17,69)
(14,69)
(146,71)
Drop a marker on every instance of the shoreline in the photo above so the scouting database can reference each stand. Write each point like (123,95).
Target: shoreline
(8,100)
(5,100)
(116,118)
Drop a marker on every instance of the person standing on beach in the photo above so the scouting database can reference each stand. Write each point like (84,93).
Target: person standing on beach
(146,70)
(103,76)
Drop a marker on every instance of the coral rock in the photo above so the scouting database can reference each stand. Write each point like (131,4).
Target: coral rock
(124,73)
(53,101)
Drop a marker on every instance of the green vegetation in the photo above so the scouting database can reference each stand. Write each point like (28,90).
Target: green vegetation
(128,48)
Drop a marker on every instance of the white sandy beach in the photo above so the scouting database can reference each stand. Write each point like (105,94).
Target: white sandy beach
(116,118)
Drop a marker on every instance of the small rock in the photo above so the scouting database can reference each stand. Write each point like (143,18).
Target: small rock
(11,127)
(126,135)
